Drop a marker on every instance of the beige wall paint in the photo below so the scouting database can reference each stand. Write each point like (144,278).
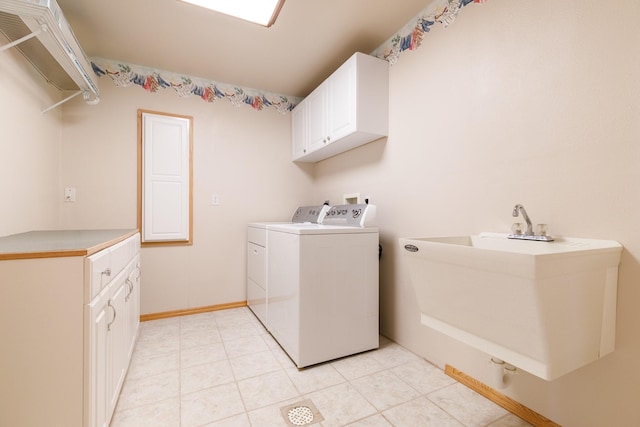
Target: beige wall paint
(533,102)
(240,154)
(29,147)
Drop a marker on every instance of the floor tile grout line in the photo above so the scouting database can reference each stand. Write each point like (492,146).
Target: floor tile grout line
(235,379)
(447,412)
(282,368)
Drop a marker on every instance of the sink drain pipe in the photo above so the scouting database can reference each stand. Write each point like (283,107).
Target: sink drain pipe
(503,373)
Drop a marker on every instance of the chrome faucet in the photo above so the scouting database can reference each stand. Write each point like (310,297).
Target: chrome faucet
(520,209)
(541,236)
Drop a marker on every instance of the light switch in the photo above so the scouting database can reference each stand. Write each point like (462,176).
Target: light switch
(70,194)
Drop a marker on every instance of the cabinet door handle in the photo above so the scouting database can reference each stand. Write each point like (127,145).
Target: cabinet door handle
(115,314)
(129,289)
(328,139)
(107,272)
(138,270)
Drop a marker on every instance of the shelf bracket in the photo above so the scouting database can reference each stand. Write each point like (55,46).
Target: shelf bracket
(62,102)
(23,39)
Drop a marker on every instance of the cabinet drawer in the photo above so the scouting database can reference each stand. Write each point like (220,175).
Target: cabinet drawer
(103,266)
(257,235)
(257,264)
(98,268)
(121,254)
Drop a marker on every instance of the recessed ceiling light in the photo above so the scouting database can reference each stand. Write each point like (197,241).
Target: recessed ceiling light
(263,12)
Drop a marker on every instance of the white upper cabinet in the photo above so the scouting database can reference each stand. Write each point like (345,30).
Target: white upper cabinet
(316,124)
(342,88)
(299,131)
(347,110)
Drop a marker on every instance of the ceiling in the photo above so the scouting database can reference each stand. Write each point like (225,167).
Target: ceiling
(309,40)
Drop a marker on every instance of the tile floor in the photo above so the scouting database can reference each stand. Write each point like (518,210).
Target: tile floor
(223,369)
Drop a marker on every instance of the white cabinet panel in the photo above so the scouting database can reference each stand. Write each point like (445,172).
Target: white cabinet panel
(316,105)
(341,101)
(99,313)
(299,134)
(347,110)
(133,304)
(166,178)
(118,353)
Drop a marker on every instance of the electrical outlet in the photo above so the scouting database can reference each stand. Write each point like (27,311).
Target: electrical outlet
(351,199)
(215,199)
(70,195)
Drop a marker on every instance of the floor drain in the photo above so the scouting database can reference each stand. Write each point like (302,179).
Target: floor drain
(301,414)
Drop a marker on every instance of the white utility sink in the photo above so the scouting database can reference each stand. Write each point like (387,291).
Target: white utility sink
(545,307)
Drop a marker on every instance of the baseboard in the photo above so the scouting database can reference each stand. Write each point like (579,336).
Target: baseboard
(498,398)
(188,311)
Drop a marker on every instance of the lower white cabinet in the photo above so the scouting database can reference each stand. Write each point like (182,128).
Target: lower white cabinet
(69,310)
(113,316)
(99,345)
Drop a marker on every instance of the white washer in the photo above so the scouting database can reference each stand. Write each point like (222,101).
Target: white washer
(322,285)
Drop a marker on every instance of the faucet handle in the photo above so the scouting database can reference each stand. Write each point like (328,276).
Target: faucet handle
(517,228)
(542,230)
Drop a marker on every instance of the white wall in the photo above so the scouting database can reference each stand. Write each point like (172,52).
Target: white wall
(240,154)
(29,147)
(533,102)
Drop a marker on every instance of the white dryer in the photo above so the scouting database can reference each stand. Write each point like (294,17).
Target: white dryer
(257,256)
(322,285)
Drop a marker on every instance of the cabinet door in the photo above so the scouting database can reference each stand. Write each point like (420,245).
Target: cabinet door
(133,305)
(316,118)
(299,130)
(118,351)
(349,109)
(100,314)
(165,208)
(341,101)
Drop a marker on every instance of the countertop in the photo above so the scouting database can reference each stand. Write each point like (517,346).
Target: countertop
(59,243)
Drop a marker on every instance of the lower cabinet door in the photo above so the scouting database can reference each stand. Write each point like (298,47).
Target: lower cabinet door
(133,304)
(100,314)
(108,357)
(118,342)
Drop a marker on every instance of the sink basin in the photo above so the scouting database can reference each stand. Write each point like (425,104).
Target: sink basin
(545,307)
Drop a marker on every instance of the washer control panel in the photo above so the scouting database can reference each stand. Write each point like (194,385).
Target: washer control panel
(312,214)
(352,215)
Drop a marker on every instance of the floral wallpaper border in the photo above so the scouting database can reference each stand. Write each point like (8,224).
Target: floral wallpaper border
(153,80)
(408,38)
